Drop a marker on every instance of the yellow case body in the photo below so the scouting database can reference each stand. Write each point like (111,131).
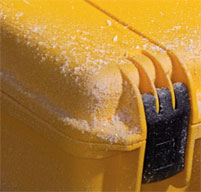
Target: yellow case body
(72,76)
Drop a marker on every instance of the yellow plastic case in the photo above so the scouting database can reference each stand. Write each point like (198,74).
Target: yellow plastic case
(72,78)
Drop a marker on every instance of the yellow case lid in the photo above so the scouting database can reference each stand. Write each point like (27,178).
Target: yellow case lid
(83,70)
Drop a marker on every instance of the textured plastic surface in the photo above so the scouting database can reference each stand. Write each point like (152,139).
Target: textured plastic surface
(72,81)
(166,134)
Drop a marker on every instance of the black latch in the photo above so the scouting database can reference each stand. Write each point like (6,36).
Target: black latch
(166,134)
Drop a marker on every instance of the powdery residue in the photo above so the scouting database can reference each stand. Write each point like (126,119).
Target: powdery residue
(100,128)
(76,46)
(111,130)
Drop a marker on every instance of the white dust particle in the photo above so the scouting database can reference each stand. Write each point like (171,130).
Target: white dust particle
(199,106)
(84,38)
(122,62)
(43,59)
(199,102)
(161,13)
(41,43)
(63,68)
(36,29)
(109,22)
(26,2)
(63,53)
(177,27)
(20,14)
(145,46)
(85,32)
(54,45)
(115,38)
(137,47)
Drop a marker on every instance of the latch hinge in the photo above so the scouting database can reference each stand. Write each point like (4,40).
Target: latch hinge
(166,133)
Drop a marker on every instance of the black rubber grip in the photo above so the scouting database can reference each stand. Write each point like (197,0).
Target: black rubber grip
(166,134)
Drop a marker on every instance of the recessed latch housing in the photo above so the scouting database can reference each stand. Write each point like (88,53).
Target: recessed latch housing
(166,134)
